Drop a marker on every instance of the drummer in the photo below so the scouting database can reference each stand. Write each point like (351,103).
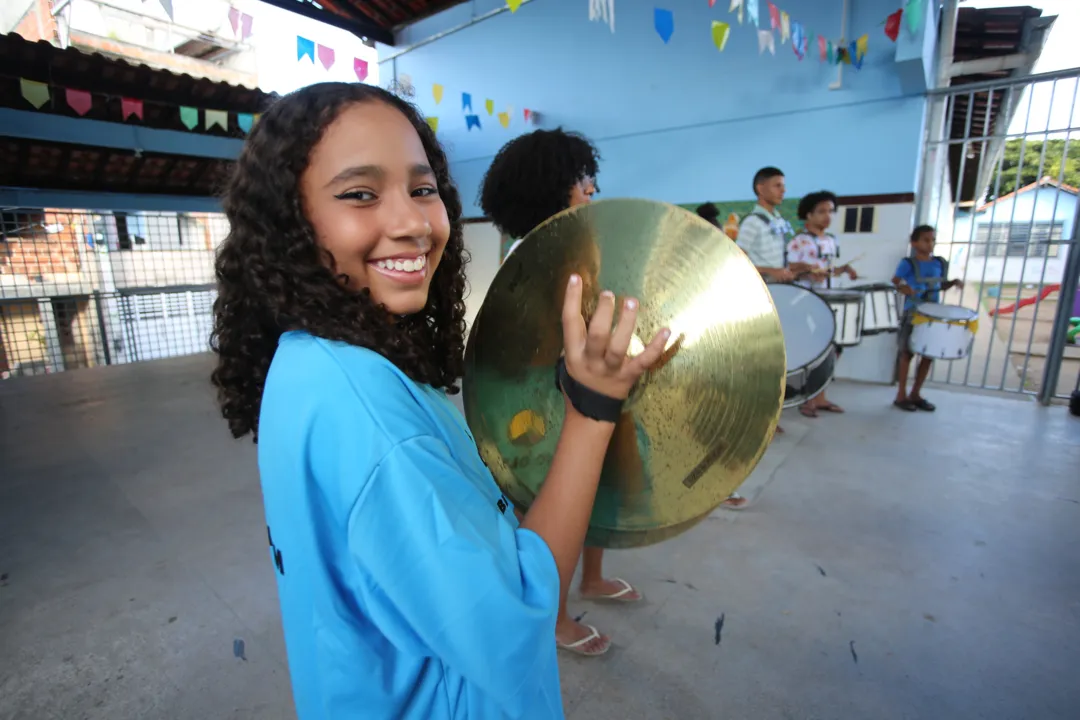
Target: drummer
(920,278)
(533,177)
(818,248)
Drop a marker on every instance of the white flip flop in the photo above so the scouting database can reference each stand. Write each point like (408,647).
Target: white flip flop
(618,597)
(578,648)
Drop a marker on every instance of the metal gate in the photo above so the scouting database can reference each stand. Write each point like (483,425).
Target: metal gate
(83,288)
(1001,189)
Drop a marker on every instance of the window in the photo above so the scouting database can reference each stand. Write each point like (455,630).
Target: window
(1033,240)
(859,219)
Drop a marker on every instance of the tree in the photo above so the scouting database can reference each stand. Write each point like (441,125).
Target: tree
(1050,159)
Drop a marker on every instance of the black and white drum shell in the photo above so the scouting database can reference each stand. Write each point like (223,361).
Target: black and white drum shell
(847,307)
(881,313)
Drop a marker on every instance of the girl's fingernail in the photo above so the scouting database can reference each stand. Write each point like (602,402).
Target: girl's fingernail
(575,279)
(665,333)
(631,304)
(607,294)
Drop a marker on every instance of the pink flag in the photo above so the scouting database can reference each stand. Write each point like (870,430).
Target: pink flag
(774,16)
(131,106)
(234,19)
(245,26)
(360,68)
(326,56)
(79,100)
(823,47)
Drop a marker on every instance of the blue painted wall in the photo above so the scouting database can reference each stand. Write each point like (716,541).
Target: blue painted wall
(679,122)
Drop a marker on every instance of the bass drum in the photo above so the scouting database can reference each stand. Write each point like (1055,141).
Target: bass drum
(809,328)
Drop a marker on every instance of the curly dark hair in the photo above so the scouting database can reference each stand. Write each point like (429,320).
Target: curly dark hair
(709,212)
(811,200)
(531,177)
(272,276)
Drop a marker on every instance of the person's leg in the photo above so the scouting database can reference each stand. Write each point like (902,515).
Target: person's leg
(901,376)
(593,584)
(568,631)
(921,373)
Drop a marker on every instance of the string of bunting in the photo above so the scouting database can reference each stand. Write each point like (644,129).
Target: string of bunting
(472,117)
(39,94)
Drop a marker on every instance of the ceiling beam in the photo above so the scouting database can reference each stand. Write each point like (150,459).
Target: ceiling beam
(359,27)
(989,65)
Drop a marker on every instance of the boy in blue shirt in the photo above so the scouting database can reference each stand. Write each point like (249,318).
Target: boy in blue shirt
(920,278)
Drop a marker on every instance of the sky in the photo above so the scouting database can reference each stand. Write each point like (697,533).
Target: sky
(1051,104)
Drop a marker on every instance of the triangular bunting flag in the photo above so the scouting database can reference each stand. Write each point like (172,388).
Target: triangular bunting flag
(79,100)
(326,56)
(737,5)
(245,26)
(234,19)
(798,40)
(892,25)
(245,121)
(774,17)
(504,119)
(189,116)
(131,106)
(433,122)
(822,44)
(862,46)
(766,41)
(513,5)
(167,6)
(360,68)
(785,27)
(913,13)
(436,92)
(466,102)
(752,11)
(720,33)
(528,114)
(217,117)
(305,48)
(664,22)
(37,94)
(489,105)
(472,121)
(255,119)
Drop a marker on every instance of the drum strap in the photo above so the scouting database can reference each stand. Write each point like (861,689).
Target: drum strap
(918,275)
(768,222)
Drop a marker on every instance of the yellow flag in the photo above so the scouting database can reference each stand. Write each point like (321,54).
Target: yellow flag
(504,119)
(490,105)
(436,90)
(785,27)
(513,5)
(434,123)
(861,46)
(37,94)
(720,33)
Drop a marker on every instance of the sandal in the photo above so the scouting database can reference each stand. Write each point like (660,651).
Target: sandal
(735,501)
(578,647)
(620,596)
(906,405)
(808,411)
(922,404)
(831,407)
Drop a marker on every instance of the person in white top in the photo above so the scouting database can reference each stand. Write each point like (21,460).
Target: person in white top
(533,177)
(819,250)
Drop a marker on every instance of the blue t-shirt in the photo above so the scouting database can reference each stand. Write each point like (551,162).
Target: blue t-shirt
(924,291)
(407,588)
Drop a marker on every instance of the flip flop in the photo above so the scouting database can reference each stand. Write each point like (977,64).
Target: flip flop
(831,407)
(727,504)
(905,405)
(807,411)
(619,596)
(578,648)
(922,404)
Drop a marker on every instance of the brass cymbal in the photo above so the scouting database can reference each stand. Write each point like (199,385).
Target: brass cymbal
(694,427)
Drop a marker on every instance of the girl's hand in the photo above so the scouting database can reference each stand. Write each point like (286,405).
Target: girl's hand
(597,356)
(851,272)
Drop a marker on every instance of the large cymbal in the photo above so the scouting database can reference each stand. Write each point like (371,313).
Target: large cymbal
(694,427)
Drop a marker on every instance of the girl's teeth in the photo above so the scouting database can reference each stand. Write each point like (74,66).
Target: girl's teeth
(403,265)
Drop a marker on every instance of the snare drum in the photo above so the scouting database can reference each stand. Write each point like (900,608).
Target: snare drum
(847,307)
(943,332)
(882,311)
(809,328)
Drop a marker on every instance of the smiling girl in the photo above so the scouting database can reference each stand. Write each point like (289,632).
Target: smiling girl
(407,587)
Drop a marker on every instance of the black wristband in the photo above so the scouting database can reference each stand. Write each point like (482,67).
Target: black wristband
(589,403)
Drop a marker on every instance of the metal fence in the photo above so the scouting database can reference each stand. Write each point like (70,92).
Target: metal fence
(1000,186)
(79,288)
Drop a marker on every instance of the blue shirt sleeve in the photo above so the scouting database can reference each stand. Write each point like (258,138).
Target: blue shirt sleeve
(450,575)
(904,271)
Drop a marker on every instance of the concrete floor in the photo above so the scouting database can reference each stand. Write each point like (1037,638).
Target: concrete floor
(894,565)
